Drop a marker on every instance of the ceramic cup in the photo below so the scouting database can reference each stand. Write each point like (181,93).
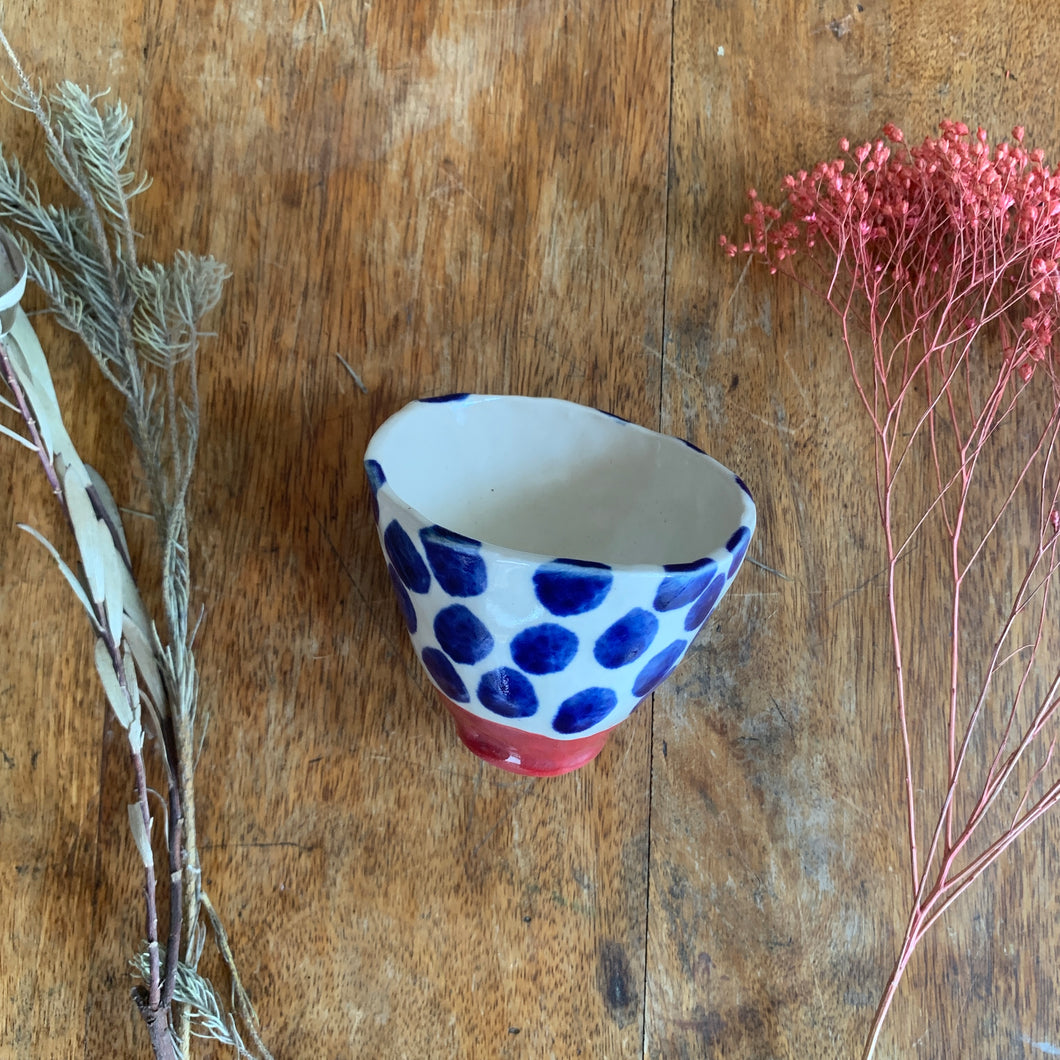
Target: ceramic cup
(552,563)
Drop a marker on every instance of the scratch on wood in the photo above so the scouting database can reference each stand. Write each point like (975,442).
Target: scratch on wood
(783,716)
(770,423)
(858,588)
(671,366)
(261,845)
(739,283)
(855,807)
(452,183)
(798,384)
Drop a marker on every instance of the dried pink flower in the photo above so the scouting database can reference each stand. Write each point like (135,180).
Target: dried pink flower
(957,226)
(946,254)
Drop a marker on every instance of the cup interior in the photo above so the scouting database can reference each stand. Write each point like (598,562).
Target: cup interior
(549,477)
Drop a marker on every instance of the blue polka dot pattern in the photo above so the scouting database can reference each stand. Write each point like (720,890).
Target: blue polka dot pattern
(374,470)
(545,649)
(627,639)
(583,710)
(462,636)
(455,561)
(559,648)
(571,586)
(698,612)
(403,598)
(658,669)
(682,587)
(444,673)
(738,541)
(737,545)
(508,693)
(407,561)
(743,485)
(694,448)
(597,626)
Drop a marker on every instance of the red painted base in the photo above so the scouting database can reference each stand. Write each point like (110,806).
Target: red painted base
(522,752)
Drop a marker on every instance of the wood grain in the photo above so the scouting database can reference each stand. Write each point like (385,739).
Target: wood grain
(497,197)
(777,880)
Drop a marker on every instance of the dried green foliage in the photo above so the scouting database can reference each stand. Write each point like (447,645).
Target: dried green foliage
(207,1012)
(141,324)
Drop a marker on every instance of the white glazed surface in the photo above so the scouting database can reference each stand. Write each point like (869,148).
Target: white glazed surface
(532,480)
(546,476)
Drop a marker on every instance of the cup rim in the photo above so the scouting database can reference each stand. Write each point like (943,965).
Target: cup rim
(746,520)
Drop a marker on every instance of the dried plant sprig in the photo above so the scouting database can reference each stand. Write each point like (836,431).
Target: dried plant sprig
(941,262)
(207,1014)
(140,322)
(107,590)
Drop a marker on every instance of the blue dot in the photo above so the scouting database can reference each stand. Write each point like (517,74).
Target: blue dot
(738,547)
(615,416)
(544,649)
(443,398)
(659,668)
(459,568)
(508,693)
(374,470)
(572,592)
(682,587)
(738,541)
(445,675)
(407,561)
(583,710)
(464,638)
(627,639)
(694,448)
(698,612)
(404,600)
(743,485)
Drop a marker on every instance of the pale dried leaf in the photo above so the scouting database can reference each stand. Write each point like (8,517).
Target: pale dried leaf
(136,732)
(113,580)
(18,438)
(87,532)
(104,565)
(33,356)
(140,835)
(13,275)
(112,516)
(75,582)
(45,414)
(112,686)
(146,661)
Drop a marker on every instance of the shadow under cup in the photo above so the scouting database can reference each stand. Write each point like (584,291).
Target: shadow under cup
(552,563)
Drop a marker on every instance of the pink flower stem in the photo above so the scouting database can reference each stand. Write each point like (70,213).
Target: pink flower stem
(935,252)
(913,934)
(884,487)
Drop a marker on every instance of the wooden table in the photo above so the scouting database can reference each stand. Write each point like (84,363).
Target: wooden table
(520,197)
